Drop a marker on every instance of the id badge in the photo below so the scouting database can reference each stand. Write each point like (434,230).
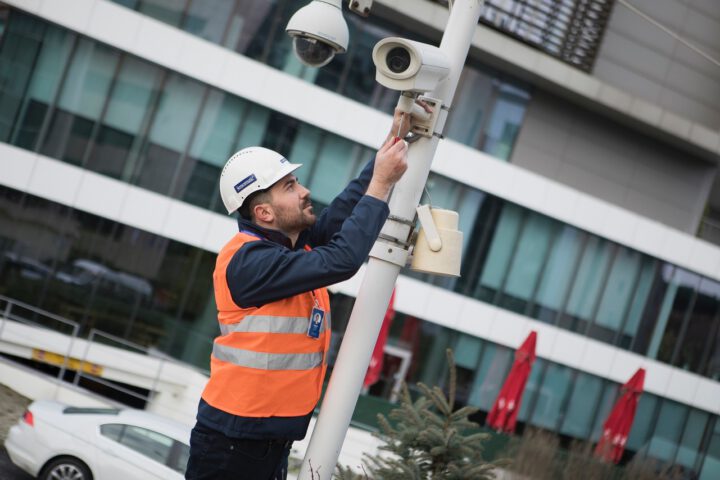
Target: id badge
(316,320)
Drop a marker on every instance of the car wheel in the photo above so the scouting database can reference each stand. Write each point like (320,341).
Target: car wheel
(65,468)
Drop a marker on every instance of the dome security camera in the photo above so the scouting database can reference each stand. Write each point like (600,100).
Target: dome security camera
(409,66)
(319,32)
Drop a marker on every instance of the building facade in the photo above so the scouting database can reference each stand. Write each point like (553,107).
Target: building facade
(583,169)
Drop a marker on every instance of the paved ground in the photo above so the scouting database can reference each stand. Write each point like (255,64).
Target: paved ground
(12,406)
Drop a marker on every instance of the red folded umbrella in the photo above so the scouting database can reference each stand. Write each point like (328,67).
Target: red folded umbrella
(376,361)
(616,428)
(503,415)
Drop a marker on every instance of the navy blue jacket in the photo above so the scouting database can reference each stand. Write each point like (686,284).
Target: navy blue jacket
(272,269)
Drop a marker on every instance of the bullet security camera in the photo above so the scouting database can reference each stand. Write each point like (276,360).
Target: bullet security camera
(409,66)
(319,32)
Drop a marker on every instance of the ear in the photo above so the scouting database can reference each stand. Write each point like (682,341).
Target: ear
(264,213)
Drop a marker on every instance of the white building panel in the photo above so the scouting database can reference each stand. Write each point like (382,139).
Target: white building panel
(443,307)
(657,377)
(707,395)
(597,358)
(100,195)
(508,329)
(220,230)
(123,29)
(72,14)
(568,348)
(476,318)
(146,210)
(682,386)
(625,364)
(187,221)
(204,60)
(16,165)
(55,180)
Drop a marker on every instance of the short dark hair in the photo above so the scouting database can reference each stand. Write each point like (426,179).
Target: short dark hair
(255,198)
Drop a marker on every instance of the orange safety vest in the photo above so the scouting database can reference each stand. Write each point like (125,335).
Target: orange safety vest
(264,364)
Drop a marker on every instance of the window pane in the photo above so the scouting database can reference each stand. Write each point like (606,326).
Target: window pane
(532,248)
(551,396)
(505,121)
(168,11)
(88,80)
(490,376)
(638,301)
(531,389)
(644,421)
(711,463)
(84,93)
(558,272)
(607,400)
(690,444)
(44,82)
(171,128)
(501,251)
(135,87)
(616,295)
(668,429)
(112,431)
(696,341)
(674,312)
(465,120)
(21,43)
(585,395)
(467,351)
(151,444)
(179,459)
(587,284)
(651,310)
(208,19)
(333,168)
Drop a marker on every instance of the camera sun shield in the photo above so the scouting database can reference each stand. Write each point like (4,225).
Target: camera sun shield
(406,65)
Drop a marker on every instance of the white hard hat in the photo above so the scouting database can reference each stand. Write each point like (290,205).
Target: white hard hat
(249,170)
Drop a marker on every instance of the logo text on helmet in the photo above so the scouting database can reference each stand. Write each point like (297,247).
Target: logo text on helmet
(244,183)
(283,160)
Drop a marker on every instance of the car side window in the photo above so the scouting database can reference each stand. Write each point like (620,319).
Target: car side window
(146,442)
(179,457)
(112,430)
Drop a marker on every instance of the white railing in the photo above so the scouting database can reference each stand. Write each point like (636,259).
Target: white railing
(96,346)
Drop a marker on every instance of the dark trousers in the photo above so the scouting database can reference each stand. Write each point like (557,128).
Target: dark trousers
(213,456)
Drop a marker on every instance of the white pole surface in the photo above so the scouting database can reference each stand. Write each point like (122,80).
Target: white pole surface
(377,285)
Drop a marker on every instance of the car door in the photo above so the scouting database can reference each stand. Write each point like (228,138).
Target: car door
(132,452)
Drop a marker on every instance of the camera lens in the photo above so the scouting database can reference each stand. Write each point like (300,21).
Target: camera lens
(313,53)
(398,60)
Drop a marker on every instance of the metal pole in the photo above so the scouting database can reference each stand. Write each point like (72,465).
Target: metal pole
(386,260)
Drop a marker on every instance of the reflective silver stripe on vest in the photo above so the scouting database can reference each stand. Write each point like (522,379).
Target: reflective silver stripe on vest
(267,361)
(272,324)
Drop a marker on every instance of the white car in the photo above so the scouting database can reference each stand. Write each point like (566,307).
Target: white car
(53,441)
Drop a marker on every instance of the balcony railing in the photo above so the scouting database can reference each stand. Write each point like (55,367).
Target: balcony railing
(570,30)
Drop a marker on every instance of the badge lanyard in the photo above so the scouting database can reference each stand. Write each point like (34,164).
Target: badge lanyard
(317,316)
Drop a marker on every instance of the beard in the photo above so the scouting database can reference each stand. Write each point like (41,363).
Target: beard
(295,220)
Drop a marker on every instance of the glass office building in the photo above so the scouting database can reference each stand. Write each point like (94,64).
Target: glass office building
(99,122)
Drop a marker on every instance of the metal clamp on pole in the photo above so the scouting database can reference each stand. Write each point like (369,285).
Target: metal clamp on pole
(390,252)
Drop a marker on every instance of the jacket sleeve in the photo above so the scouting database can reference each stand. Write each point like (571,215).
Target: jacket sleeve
(262,272)
(331,219)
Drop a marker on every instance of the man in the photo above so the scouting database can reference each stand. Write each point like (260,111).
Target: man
(268,364)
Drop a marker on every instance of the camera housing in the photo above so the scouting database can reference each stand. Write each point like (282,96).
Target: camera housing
(319,32)
(407,65)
